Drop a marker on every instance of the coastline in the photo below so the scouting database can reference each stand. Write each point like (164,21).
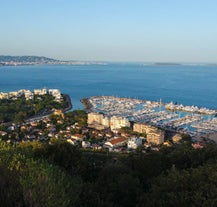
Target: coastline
(86,103)
(69,102)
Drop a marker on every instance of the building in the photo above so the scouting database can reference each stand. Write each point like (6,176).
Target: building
(177,138)
(85,144)
(118,122)
(94,118)
(40,91)
(134,143)
(56,94)
(106,121)
(59,112)
(26,93)
(98,121)
(142,128)
(13,95)
(116,142)
(78,137)
(154,135)
(71,141)
(198,145)
(96,147)
(4,95)
(3,133)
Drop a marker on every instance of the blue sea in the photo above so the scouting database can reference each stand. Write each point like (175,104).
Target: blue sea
(184,84)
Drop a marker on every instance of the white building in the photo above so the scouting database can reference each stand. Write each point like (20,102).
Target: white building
(40,91)
(56,94)
(13,94)
(85,144)
(26,93)
(134,143)
(118,122)
(4,95)
(72,142)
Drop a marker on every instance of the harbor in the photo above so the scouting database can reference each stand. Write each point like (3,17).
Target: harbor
(192,120)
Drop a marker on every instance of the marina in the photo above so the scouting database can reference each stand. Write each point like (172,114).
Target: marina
(186,119)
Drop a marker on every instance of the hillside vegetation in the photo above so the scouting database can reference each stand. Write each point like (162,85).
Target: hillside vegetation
(59,174)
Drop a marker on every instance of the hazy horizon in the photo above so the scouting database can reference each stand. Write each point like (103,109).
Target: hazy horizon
(113,31)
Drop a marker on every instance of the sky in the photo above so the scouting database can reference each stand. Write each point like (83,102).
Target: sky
(111,30)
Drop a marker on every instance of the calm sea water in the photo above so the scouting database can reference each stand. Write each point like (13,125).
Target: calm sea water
(189,85)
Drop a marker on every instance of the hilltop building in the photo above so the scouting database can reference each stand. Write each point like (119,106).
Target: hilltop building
(14,95)
(4,95)
(56,94)
(40,91)
(26,93)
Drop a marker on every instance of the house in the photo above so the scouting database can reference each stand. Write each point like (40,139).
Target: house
(167,143)
(96,147)
(198,145)
(85,144)
(116,142)
(79,137)
(40,91)
(71,141)
(3,133)
(33,124)
(134,143)
(3,95)
(59,112)
(177,138)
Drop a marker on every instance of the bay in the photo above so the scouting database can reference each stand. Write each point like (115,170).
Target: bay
(184,84)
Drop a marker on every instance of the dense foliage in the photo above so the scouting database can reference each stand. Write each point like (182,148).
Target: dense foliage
(59,174)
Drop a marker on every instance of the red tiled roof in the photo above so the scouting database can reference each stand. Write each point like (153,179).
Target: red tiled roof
(117,140)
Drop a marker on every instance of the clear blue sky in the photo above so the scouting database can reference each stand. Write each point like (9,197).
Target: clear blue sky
(110,30)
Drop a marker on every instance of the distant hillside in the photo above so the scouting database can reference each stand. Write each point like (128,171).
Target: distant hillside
(7,60)
(23,59)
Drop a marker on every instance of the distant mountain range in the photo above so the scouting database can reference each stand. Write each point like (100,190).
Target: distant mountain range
(24,59)
(40,60)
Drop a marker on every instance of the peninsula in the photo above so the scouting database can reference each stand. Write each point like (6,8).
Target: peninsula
(40,60)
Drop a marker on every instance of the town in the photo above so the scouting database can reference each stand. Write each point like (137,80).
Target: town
(108,124)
